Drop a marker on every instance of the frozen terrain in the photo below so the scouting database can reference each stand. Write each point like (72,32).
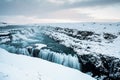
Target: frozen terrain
(19,67)
(99,37)
(75,45)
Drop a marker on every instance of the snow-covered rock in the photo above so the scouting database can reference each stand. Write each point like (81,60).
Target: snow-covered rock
(85,42)
(96,45)
(101,65)
(5,37)
(19,67)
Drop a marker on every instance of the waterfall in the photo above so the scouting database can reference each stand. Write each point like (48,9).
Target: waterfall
(14,49)
(46,54)
(60,58)
(23,51)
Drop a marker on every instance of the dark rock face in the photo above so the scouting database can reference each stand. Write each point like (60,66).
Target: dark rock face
(29,50)
(85,33)
(36,52)
(33,52)
(115,70)
(101,65)
(109,36)
(75,33)
(82,35)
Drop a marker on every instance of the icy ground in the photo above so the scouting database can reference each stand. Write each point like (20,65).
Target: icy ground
(96,44)
(19,67)
(85,38)
(76,45)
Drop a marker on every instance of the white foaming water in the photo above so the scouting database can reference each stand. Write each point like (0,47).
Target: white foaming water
(46,54)
(60,58)
(16,50)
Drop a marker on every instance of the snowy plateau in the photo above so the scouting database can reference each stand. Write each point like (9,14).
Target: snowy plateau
(60,51)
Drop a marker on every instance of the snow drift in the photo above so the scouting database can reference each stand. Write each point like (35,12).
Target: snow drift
(19,67)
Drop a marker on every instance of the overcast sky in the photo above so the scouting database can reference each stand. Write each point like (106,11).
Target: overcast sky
(55,11)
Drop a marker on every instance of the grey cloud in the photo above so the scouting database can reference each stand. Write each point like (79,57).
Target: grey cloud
(41,7)
(26,7)
(67,14)
(94,3)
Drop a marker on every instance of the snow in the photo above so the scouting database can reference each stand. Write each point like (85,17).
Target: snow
(4,37)
(4,33)
(3,40)
(20,67)
(39,46)
(37,69)
(100,27)
(80,46)
(18,36)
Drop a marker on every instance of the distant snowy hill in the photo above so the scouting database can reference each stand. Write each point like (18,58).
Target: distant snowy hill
(19,67)
(2,24)
(98,27)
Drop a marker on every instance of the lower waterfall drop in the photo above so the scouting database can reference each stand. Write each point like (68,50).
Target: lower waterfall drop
(60,58)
